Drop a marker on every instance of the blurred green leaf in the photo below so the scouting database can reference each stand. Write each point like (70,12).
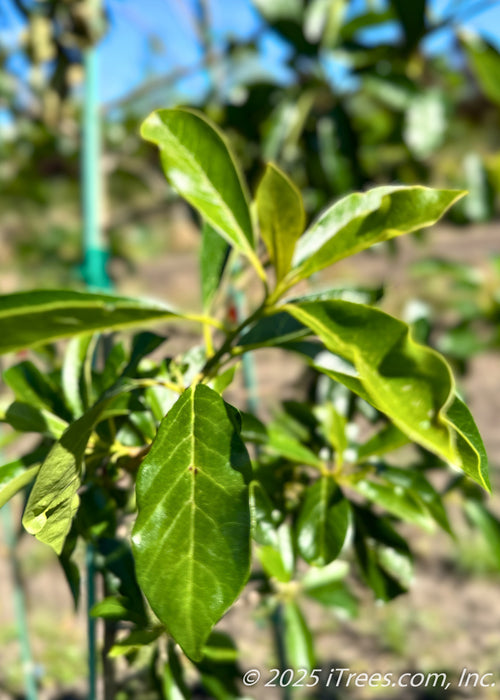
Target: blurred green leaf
(32,318)
(322,523)
(485,63)
(298,639)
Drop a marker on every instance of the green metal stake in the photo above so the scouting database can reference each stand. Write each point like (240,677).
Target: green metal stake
(19,606)
(95,250)
(94,272)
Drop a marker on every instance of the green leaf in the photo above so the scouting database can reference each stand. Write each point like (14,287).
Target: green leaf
(213,258)
(325,586)
(264,522)
(408,382)
(333,426)
(386,440)
(224,380)
(134,641)
(116,608)
(383,556)
(317,576)
(485,63)
(273,330)
(421,490)
(73,366)
(469,443)
(278,560)
(14,476)
(32,387)
(220,675)
(54,499)
(27,419)
(287,446)
(298,639)
(32,318)
(201,168)
(281,217)
(174,685)
(192,534)
(323,522)
(360,220)
(488,525)
(118,561)
(395,500)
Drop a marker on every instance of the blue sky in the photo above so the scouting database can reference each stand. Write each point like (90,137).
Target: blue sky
(151,37)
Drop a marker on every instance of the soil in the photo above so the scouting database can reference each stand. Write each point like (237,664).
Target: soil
(450,620)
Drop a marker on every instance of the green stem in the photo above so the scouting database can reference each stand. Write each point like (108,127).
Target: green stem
(213,364)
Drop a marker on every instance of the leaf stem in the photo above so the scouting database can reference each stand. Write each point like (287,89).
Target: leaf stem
(214,363)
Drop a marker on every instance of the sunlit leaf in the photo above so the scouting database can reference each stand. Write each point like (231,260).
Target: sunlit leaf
(32,318)
(360,220)
(281,217)
(412,384)
(192,534)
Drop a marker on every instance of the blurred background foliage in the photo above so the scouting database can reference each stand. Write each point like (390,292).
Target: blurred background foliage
(340,94)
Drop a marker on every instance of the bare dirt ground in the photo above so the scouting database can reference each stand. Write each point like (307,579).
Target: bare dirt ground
(449,621)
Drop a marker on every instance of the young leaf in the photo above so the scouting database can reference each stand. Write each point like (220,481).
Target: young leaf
(213,258)
(281,217)
(410,383)
(192,534)
(201,168)
(32,318)
(323,522)
(54,500)
(360,220)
